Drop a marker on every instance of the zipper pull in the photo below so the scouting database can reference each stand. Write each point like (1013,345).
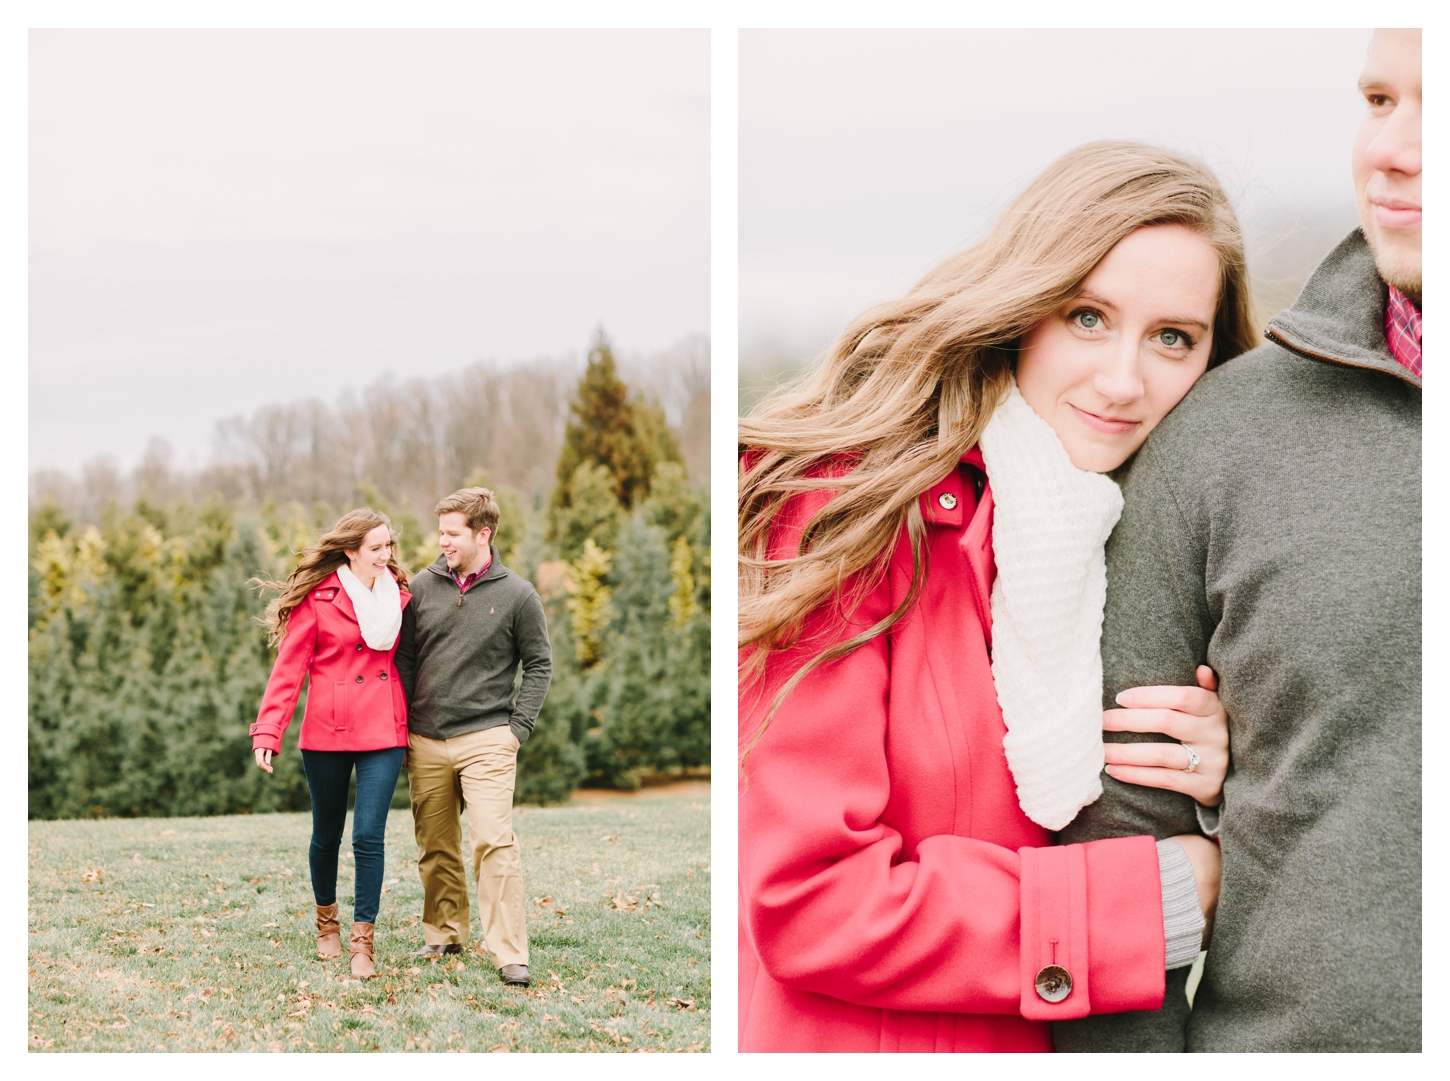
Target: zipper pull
(460,599)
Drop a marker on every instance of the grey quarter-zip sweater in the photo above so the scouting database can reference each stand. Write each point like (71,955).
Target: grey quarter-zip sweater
(459,653)
(1272,531)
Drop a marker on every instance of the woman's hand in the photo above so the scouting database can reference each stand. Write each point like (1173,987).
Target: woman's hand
(1206,860)
(264,758)
(1192,715)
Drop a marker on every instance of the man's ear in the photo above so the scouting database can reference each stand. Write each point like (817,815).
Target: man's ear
(485,536)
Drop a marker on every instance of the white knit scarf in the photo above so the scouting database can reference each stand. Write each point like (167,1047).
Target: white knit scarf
(379,610)
(1050,522)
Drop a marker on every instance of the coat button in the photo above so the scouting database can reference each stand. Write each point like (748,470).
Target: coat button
(947,500)
(359,679)
(382,675)
(359,645)
(1054,983)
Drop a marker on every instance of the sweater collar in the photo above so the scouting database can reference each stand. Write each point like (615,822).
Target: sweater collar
(1339,317)
(496,569)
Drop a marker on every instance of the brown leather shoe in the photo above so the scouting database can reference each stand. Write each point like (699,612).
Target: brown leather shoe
(329,932)
(361,948)
(515,975)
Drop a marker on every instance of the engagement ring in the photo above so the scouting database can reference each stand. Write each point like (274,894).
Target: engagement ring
(1192,759)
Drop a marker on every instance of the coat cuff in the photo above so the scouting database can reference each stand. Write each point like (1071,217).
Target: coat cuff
(265,739)
(1054,967)
(1091,929)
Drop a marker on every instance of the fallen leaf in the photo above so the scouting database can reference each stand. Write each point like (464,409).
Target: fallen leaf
(93,874)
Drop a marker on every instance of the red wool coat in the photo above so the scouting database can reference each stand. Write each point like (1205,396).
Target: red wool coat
(893,896)
(355,701)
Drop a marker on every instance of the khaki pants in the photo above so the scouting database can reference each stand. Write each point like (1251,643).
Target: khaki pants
(475,770)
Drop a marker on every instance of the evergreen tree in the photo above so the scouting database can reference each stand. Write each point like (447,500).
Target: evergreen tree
(626,436)
(592,513)
(600,429)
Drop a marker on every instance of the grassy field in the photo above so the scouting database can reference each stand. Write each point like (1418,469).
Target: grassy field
(196,934)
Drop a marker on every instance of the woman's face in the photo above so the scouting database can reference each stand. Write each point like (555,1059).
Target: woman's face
(372,558)
(1107,366)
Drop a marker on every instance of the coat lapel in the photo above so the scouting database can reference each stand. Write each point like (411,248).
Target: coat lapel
(341,599)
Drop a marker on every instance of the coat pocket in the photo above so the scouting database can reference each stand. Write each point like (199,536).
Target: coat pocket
(341,706)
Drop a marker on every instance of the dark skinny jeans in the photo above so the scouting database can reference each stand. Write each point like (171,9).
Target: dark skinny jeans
(328,774)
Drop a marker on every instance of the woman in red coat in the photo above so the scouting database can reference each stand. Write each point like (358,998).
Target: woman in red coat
(922,580)
(337,621)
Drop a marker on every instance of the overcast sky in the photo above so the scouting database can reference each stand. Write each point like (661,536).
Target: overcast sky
(221,219)
(868,156)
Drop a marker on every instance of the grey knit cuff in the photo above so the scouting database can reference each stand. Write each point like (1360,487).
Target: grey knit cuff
(1208,818)
(1182,918)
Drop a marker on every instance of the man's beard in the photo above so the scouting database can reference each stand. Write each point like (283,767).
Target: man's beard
(1400,268)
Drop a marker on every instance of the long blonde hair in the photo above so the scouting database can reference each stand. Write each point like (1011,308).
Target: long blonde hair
(907,389)
(321,559)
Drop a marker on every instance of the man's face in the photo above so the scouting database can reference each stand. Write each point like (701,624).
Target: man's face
(462,547)
(1387,157)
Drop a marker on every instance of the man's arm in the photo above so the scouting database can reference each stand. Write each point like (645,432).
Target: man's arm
(531,636)
(406,658)
(1156,629)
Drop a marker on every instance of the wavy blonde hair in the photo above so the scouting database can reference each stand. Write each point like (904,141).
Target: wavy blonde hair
(907,389)
(321,559)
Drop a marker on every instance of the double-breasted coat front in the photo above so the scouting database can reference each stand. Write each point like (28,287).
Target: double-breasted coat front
(355,700)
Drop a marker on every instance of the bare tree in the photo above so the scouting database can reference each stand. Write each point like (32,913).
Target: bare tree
(411,442)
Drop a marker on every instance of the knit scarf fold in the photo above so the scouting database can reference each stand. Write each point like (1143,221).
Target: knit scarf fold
(1050,523)
(379,610)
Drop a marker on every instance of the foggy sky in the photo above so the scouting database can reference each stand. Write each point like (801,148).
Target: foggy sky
(868,156)
(221,219)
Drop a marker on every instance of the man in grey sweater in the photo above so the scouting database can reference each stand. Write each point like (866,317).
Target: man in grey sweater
(1272,532)
(472,623)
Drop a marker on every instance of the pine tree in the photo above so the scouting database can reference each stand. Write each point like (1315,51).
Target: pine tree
(625,435)
(601,430)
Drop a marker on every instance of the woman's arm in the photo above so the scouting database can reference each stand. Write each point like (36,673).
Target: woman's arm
(964,925)
(294,659)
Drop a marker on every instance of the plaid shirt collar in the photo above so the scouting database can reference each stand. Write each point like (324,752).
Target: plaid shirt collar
(1403,324)
(467,583)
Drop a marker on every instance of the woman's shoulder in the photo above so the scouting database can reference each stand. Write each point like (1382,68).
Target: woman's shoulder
(326,589)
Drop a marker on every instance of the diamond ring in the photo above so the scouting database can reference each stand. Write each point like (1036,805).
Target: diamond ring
(1193,759)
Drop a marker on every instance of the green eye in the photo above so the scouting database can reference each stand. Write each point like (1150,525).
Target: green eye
(1088,320)
(1170,337)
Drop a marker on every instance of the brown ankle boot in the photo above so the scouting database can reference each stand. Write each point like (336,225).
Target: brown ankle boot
(329,932)
(361,949)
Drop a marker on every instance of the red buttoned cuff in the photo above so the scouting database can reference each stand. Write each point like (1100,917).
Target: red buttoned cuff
(264,738)
(1054,956)
(1092,929)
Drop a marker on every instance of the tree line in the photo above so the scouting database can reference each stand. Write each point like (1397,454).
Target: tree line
(147,662)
